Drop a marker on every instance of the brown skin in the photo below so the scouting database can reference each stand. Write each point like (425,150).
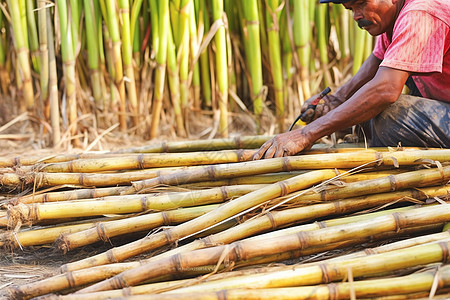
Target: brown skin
(367,94)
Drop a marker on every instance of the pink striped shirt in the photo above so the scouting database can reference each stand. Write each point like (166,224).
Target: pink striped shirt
(421,45)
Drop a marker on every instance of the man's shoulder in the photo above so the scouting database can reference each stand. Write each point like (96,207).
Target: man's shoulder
(437,8)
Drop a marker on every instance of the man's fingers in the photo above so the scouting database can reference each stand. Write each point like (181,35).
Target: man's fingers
(319,111)
(262,150)
(270,152)
(280,152)
(307,118)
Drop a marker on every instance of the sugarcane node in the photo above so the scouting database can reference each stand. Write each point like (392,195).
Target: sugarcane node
(323,195)
(399,221)
(211,172)
(283,188)
(169,236)
(81,179)
(321,224)
(70,279)
(272,220)
(238,142)
(286,164)
(379,159)
(333,291)
(302,240)
(110,256)
(63,244)
(144,203)
(208,242)
(118,282)
(238,250)
(445,252)
(338,209)
(17,162)
(100,229)
(224,192)
(325,275)
(141,161)
(175,261)
(393,182)
(165,147)
(166,218)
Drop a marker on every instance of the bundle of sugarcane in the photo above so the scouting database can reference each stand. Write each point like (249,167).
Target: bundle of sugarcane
(227,218)
(122,60)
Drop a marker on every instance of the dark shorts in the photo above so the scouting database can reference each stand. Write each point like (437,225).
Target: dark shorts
(412,122)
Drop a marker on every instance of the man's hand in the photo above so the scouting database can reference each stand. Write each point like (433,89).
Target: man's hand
(285,144)
(326,104)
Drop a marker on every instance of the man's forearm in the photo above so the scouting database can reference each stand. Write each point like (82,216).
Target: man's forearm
(365,104)
(366,73)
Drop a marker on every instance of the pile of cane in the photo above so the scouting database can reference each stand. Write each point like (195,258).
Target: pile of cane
(332,223)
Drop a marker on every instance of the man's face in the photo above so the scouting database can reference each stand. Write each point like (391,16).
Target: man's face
(375,16)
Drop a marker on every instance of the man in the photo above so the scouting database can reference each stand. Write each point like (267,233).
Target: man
(413,47)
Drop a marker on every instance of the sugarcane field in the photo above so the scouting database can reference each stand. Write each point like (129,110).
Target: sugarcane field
(224,149)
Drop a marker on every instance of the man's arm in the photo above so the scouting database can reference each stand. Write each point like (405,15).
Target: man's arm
(365,74)
(367,102)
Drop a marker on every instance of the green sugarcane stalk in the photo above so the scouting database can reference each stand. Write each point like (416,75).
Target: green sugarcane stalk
(179,17)
(174,83)
(75,19)
(341,23)
(221,67)
(273,13)
(203,22)
(92,39)
(116,56)
(52,81)
(368,45)
(24,82)
(134,18)
(322,40)
(194,47)
(4,74)
(162,15)
(68,56)
(136,36)
(359,48)
(33,35)
(43,55)
(253,52)
(127,59)
(302,40)
(140,32)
